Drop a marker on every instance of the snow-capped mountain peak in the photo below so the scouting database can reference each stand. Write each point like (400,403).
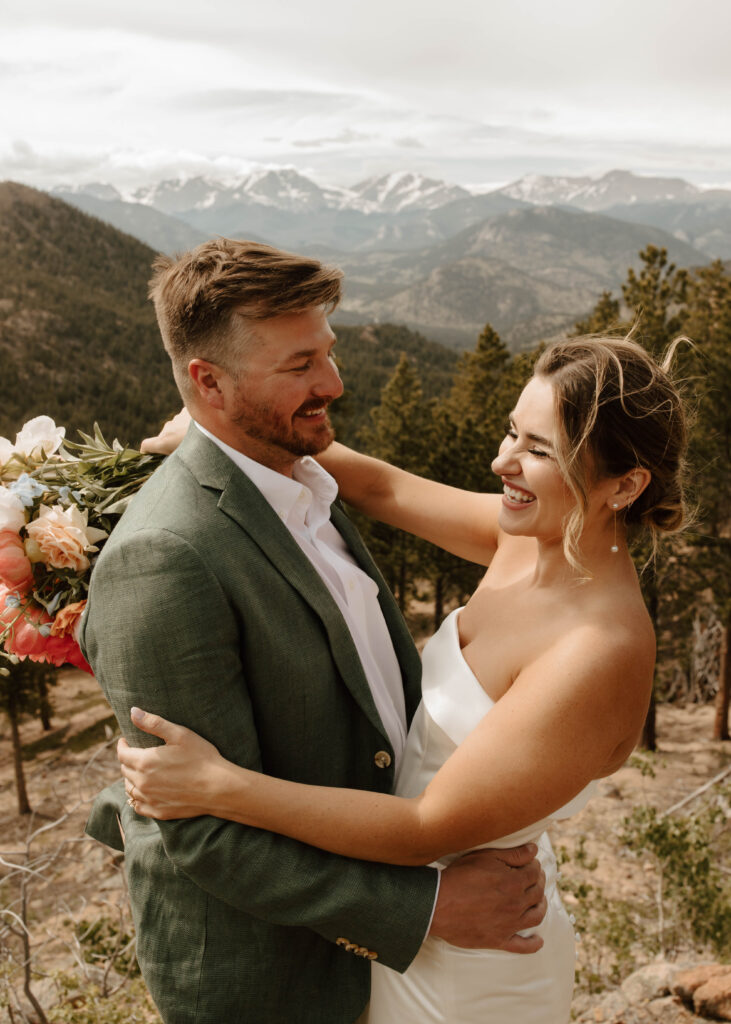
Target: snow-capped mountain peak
(391,193)
(611,189)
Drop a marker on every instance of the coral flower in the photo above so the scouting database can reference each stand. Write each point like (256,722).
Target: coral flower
(29,635)
(66,619)
(16,571)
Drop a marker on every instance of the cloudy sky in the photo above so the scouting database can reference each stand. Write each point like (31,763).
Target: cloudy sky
(472,91)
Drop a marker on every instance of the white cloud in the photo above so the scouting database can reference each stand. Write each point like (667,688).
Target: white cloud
(472,90)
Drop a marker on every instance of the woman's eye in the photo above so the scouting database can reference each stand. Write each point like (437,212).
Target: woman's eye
(538,452)
(513,434)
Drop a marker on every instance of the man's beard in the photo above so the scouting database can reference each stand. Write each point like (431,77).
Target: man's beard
(261,424)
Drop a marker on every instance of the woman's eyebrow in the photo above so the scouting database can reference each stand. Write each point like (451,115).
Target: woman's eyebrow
(532,437)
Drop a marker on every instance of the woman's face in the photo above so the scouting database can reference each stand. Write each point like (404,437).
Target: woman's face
(536,496)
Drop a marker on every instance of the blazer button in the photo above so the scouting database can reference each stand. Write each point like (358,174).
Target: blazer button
(371,955)
(382,759)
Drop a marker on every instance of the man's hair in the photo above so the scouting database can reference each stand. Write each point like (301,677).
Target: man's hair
(208,299)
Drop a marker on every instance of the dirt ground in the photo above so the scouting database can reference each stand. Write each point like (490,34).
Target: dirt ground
(82,881)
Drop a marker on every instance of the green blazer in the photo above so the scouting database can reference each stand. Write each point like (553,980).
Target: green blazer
(204,609)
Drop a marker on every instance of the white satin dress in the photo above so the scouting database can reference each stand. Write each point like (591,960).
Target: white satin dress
(446,984)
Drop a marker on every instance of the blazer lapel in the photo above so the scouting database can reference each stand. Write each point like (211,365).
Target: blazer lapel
(244,503)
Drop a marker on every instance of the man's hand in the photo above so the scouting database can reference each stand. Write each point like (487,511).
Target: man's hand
(487,896)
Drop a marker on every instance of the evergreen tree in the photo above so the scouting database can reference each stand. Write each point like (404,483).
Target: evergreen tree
(707,320)
(467,428)
(399,434)
(655,297)
(603,319)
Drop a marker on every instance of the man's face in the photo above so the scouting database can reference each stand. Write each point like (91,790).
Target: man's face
(278,403)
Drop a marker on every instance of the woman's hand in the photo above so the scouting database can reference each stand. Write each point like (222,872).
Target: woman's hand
(177,780)
(169,437)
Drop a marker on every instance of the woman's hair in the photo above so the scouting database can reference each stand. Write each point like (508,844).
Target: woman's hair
(617,410)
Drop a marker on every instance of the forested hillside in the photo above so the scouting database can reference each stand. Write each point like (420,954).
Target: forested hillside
(688,587)
(79,342)
(368,356)
(78,338)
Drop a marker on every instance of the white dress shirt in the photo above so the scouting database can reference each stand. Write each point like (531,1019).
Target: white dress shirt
(303,504)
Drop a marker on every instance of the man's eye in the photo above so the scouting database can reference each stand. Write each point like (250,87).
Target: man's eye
(301,369)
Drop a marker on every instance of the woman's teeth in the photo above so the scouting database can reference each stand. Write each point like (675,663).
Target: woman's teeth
(514,495)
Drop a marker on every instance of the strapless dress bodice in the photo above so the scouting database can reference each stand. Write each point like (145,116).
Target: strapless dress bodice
(446,984)
(453,703)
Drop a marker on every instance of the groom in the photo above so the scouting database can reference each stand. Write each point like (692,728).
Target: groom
(236,599)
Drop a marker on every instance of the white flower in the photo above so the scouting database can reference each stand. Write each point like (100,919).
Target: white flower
(6,451)
(12,511)
(39,437)
(63,536)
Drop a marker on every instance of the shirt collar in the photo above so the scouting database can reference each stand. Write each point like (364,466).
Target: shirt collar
(305,498)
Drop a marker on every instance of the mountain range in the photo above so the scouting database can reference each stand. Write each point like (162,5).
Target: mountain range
(79,341)
(531,257)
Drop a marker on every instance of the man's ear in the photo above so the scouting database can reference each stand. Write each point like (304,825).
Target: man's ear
(207,381)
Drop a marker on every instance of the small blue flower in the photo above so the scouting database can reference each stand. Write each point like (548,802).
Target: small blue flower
(45,629)
(26,489)
(53,604)
(12,601)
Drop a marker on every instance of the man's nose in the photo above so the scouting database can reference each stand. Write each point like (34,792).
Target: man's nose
(328,382)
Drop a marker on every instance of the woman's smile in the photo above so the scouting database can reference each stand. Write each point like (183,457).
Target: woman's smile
(516,497)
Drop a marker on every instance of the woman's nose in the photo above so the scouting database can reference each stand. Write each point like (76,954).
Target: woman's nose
(505,461)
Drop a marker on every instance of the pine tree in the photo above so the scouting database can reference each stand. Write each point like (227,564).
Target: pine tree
(468,427)
(399,434)
(655,297)
(707,320)
(603,319)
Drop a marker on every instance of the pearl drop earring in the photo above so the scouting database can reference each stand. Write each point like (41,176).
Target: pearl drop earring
(615,548)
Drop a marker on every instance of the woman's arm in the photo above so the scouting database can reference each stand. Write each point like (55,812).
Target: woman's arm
(462,522)
(459,521)
(574,715)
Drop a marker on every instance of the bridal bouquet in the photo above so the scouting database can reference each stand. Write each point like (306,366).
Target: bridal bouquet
(59,501)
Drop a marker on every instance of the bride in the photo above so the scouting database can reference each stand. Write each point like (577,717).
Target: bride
(533,690)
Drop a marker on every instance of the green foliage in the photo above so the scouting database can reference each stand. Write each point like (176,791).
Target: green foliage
(368,357)
(693,572)
(644,765)
(78,338)
(453,439)
(607,929)
(686,904)
(604,318)
(655,296)
(103,940)
(399,434)
(692,892)
(83,1002)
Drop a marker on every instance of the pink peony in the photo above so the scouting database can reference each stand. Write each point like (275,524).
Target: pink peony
(26,640)
(24,637)
(16,571)
(63,537)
